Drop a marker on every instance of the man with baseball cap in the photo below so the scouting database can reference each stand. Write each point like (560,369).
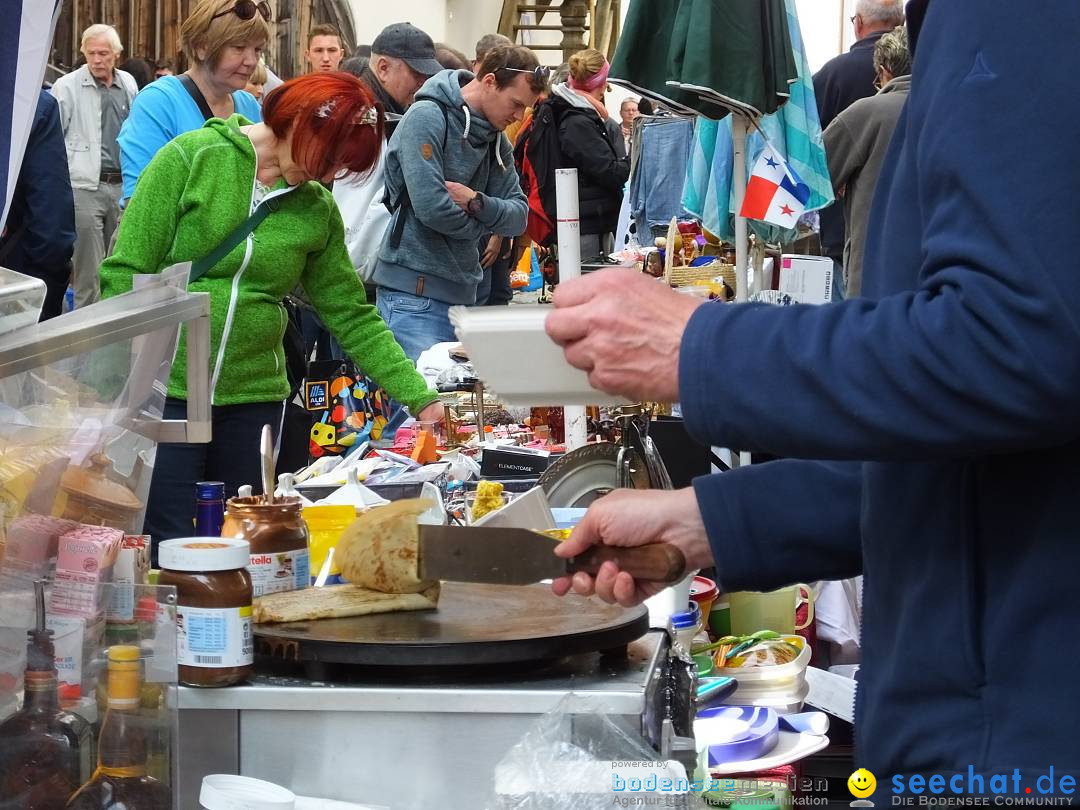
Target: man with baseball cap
(402,59)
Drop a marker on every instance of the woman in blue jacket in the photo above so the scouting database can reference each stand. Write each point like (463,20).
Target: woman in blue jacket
(223,40)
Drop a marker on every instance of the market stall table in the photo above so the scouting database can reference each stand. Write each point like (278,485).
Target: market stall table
(405,737)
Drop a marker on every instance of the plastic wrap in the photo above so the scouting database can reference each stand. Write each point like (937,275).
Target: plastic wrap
(459,377)
(21,298)
(69,445)
(569,761)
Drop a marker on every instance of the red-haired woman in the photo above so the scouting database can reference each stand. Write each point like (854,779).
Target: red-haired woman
(199,188)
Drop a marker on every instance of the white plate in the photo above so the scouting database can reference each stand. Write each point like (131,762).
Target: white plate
(791,747)
(719,730)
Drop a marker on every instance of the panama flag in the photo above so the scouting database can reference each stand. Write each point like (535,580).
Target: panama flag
(776,194)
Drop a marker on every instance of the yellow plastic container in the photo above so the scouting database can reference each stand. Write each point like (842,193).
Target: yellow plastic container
(325,525)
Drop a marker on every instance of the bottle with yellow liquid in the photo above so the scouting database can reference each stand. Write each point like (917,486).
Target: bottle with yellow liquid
(120,780)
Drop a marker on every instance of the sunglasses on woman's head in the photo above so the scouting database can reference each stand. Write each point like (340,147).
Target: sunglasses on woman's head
(246,10)
(540,72)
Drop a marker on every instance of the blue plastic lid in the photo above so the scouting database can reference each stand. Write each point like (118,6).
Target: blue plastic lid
(687,618)
(210,490)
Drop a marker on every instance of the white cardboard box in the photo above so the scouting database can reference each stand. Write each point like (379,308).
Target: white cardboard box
(831,693)
(807,279)
(77,640)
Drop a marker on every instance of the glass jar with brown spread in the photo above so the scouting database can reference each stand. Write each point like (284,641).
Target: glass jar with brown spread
(214,644)
(280,560)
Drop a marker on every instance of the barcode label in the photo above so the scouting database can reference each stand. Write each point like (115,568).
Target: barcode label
(207,659)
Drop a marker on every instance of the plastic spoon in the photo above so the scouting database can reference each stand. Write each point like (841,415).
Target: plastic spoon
(266,449)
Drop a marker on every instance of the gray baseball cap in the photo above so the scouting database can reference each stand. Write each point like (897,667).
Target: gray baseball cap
(408,43)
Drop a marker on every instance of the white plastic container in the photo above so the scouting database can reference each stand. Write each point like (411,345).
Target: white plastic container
(785,678)
(781,703)
(221,791)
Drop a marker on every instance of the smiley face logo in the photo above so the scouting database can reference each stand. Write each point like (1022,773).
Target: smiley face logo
(862,783)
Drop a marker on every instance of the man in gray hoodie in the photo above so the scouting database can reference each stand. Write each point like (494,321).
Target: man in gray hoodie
(450,178)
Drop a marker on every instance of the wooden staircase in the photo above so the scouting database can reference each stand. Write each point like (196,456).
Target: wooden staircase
(582,23)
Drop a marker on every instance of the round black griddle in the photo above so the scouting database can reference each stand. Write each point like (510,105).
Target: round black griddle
(474,624)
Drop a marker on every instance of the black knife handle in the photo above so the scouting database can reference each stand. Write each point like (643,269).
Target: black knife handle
(656,562)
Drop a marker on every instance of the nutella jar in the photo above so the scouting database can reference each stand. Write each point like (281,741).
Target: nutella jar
(214,644)
(280,560)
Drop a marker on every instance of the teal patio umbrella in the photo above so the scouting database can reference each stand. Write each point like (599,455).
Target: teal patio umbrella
(712,57)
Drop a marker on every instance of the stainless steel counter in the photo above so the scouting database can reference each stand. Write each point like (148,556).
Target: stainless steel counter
(404,741)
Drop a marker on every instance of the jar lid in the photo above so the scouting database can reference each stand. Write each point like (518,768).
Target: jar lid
(222,791)
(210,490)
(686,618)
(204,554)
(93,484)
(330,513)
(703,589)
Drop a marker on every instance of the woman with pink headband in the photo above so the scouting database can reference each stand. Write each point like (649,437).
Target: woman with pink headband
(586,144)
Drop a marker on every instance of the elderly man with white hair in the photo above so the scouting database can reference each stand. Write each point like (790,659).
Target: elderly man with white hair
(94,102)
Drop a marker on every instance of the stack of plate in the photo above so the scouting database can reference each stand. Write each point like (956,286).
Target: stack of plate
(736,733)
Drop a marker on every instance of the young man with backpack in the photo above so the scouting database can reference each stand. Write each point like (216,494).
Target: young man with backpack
(450,179)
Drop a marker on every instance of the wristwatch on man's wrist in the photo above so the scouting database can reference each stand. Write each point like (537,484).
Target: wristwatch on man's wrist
(475,205)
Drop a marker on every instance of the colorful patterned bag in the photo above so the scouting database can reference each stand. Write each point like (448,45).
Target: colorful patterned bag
(347,407)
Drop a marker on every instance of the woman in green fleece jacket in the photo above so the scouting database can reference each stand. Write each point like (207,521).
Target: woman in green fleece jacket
(196,190)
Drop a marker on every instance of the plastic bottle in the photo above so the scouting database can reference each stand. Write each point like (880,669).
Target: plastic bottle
(209,508)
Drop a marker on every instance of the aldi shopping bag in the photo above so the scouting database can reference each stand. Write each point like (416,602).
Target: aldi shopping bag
(347,407)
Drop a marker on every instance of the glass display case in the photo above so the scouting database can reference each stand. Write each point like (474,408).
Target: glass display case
(81,399)
(87,648)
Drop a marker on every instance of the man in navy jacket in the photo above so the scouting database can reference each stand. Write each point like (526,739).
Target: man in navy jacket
(932,429)
(39,236)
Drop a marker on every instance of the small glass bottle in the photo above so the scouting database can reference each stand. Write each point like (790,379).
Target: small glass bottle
(209,508)
(44,752)
(120,780)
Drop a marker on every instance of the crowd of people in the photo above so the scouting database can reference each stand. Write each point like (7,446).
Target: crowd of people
(117,113)
(365,212)
(926,427)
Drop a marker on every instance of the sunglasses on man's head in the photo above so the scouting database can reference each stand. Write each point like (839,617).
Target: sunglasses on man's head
(246,10)
(540,72)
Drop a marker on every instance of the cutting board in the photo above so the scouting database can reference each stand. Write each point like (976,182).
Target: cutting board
(474,624)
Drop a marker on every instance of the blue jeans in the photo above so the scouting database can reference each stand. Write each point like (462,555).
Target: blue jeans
(231,456)
(657,186)
(418,323)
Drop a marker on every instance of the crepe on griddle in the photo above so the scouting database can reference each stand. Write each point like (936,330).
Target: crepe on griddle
(380,549)
(338,601)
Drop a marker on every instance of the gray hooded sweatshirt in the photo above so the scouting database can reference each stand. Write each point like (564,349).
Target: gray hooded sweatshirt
(440,138)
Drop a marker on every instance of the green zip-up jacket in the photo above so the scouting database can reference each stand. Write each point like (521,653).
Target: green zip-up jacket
(194,192)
